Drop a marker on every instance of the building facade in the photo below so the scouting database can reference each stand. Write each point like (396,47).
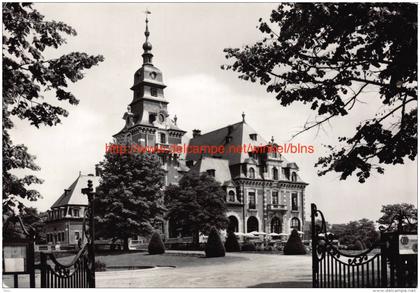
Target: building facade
(64,224)
(264,191)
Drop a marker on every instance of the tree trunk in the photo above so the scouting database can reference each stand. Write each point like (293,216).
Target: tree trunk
(126,244)
(196,239)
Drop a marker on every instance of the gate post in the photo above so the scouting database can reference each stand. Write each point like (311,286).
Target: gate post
(384,260)
(314,241)
(43,266)
(91,239)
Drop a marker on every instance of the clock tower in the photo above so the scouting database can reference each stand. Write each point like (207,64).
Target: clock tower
(147,120)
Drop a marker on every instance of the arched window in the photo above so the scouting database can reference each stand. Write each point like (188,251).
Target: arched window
(233,224)
(294,177)
(251,173)
(295,224)
(252,224)
(275,174)
(276,225)
(231,197)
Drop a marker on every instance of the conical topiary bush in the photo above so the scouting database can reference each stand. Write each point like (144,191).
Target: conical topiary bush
(232,244)
(294,245)
(214,245)
(156,245)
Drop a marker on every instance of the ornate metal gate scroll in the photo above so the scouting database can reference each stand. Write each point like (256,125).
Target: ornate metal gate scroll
(380,266)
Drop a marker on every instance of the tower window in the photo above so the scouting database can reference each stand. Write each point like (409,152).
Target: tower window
(231,196)
(275,174)
(253,136)
(153,92)
(152,117)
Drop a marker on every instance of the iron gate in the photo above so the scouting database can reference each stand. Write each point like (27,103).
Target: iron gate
(380,266)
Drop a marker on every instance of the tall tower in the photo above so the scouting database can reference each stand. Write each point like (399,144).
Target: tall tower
(147,120)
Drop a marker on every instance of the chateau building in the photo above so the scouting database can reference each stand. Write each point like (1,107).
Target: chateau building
(264,191)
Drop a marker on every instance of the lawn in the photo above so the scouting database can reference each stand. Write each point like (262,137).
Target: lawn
(137,259)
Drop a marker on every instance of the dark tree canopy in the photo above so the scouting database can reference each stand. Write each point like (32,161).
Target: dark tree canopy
(31,222)
(27,76)
(198,202)
(348,234)
(391,210)
(328,56)
(129,200)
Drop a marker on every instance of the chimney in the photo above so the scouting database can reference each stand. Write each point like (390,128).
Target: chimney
(196,133)
(98,170)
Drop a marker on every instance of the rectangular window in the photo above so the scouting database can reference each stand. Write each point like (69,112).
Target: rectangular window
(162,138)
(76,235)
(76,213)
(294,202)
(153,92)
(275,197)
(251,200)
(211,172)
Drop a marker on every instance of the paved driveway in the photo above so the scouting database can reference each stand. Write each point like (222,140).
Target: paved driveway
(236,270)
(254,270)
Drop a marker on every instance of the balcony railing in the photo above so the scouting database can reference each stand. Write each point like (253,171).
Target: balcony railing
(277,207)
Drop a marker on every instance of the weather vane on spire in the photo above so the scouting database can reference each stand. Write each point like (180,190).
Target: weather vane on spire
(147,46)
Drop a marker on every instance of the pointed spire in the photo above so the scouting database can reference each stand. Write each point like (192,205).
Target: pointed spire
(147,46)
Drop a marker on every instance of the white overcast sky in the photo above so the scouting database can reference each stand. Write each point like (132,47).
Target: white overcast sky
(188,41)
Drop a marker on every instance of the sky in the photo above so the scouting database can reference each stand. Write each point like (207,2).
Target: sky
(188,41)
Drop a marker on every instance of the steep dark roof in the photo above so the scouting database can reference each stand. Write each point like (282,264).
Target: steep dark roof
(240,135)
(220,166)
(74,194)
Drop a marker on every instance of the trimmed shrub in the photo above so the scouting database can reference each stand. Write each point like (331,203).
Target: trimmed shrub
(368,244)
(156,245)
(232,244)
(249,246)
(214,245)
(100,266)
(359,245)
(294,245)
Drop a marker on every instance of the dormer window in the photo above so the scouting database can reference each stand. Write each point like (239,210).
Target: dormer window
(294,177)
(251,174)
(253,136)
(211,172)
(228,139)
(153,92)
